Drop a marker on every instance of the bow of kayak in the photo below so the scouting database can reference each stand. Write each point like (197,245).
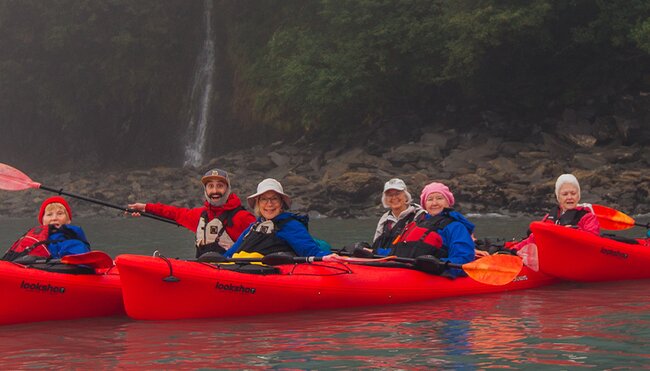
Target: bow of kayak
(576,255)
(32,295)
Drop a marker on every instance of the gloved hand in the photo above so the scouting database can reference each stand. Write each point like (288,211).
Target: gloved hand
(430,264)
(362,252)
(349,249)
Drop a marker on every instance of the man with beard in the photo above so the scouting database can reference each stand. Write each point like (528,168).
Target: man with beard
(217,224)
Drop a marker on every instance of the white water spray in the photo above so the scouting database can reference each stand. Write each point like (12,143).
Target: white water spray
(200,95)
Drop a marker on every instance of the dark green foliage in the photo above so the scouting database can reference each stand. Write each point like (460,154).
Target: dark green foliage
(334,63)
(94,79)
(108,80)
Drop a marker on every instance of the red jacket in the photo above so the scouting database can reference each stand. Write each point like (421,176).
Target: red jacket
(189,218)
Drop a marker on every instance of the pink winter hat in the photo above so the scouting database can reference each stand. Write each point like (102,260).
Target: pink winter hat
(436,188)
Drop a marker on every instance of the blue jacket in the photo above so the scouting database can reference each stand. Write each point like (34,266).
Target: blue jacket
(68,240)
(457,236)
(293,232)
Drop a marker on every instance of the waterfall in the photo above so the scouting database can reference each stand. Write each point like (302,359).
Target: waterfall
(200,95)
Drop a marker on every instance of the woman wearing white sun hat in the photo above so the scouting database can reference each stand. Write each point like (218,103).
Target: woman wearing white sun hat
(276,230)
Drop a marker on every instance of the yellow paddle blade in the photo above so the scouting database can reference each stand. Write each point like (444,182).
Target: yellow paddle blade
(612,219)
(495,270)
(249,255)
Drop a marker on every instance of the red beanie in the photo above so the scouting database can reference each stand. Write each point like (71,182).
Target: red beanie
(54,200)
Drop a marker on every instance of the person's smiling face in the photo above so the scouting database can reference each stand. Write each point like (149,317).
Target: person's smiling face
(56,215)
(215,189)
(435,203)
(269,204)
(396,200)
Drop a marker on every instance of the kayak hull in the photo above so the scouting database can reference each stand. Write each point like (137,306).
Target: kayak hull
(202,290)
(576,255)
(32,295)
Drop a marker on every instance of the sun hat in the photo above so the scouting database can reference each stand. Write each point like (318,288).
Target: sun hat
(397,184)
(566,179)
(437,188)
(54,200)
(268,184)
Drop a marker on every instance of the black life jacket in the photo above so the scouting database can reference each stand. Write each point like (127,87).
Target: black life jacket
(262,238)
(421,238)
(391,231)
(570,217)
(213,233)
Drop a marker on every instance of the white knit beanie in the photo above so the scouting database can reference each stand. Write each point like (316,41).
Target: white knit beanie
(564,179)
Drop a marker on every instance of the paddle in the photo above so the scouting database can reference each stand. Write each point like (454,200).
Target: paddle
(496,270)
(12,179)
(279,259)
(93,259)
(615,220)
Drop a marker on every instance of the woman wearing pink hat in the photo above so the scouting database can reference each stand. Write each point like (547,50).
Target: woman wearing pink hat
(444,233)
(568,212)
(276,230)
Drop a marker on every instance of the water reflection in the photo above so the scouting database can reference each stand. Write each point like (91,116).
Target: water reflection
(562,326)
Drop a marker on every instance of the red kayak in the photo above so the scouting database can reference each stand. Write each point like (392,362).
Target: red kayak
(31,294)
(576,255)
(156,288)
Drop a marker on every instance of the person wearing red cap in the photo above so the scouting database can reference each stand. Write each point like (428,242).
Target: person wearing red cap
(54,238)
(217,224)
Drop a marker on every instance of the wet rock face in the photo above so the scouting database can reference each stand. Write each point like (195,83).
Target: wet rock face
(487,170)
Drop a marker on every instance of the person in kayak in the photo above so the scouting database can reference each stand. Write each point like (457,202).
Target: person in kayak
(443,233)
(401,211)
(567,212)
(217,224)
(276,230)
(54,238)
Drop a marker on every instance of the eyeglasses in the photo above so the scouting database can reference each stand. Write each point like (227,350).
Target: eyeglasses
(266,200)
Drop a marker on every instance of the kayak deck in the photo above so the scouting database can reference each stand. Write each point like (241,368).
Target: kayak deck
(201,290)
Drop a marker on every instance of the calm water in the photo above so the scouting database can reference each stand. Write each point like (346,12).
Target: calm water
(601,326)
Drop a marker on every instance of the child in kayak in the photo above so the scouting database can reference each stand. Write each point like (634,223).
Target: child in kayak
(54,238)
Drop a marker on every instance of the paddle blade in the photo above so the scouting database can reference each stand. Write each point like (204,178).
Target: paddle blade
(612,219)
(95,259)
(495,270)
(12,179)
(529,257)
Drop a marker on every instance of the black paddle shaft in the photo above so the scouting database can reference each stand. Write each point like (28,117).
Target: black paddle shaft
(103,203)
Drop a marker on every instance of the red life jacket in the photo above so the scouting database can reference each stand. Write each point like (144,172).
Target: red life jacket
(421,238)
(33,242)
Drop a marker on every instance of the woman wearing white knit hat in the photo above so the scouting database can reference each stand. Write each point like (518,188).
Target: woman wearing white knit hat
(568,212)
